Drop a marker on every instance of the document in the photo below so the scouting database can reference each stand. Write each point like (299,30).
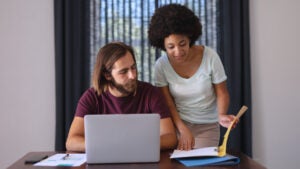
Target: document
(71,160)
(200,152)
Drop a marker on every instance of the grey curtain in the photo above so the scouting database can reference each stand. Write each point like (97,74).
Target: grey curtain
(235,54)
(72,60)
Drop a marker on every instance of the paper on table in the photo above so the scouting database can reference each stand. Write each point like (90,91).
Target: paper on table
(63,160)
(206,151)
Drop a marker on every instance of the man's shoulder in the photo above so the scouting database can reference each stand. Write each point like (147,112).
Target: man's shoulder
(89,93)
(146,86)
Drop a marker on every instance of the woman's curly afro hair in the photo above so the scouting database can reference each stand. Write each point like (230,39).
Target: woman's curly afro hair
(173,19)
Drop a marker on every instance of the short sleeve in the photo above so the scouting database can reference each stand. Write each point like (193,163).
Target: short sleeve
(218,72)
(87,103)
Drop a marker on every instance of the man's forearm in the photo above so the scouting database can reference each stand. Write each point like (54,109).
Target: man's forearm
(75,144)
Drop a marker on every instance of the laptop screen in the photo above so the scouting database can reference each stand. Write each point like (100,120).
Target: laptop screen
(122,138)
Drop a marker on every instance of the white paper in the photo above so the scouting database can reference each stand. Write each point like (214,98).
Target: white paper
(59,160)
(207,151)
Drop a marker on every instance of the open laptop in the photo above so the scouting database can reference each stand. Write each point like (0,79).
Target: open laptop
(122,138)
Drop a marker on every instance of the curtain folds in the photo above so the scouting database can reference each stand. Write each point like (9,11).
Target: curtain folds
(235,53)
(71,62)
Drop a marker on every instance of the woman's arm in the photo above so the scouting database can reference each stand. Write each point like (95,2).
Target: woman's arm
(223,100)
(186,139)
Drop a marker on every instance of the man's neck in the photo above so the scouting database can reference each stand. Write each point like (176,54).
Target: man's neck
(116,92)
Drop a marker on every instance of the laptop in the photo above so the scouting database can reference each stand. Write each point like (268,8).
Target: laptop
(122,138)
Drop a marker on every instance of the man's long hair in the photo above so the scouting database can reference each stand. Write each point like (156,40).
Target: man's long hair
(106,58)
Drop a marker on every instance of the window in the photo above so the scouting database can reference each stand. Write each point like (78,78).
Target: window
(128,20)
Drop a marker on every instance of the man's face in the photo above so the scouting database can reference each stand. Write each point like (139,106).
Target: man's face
(124,76)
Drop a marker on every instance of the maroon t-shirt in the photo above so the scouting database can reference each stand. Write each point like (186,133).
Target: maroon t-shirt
(148,99)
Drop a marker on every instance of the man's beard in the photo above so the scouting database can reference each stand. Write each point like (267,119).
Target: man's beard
(127,89)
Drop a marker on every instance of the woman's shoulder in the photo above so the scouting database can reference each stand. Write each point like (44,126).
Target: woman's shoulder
(210,54)
(210,51)
(161,64)
(162,60)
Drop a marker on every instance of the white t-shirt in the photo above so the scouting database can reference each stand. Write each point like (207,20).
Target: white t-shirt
(194,97)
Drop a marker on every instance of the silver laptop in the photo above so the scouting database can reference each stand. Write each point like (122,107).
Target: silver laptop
(126,138)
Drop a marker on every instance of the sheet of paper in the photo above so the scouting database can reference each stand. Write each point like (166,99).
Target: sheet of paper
(207,151)
(63,160)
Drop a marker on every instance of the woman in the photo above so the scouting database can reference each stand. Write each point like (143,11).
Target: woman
(191,77)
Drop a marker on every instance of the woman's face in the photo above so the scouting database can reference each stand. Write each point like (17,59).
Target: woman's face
(177,47)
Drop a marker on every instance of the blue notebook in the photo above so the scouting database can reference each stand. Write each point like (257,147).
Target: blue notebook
(205,161)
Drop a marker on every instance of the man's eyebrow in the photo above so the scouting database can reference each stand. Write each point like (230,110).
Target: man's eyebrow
(125,69)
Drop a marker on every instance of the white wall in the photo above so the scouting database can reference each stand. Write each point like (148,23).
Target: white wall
(275,59)
(27,87)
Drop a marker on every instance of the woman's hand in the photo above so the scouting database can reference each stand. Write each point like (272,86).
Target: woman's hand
(186,139)
(225,120)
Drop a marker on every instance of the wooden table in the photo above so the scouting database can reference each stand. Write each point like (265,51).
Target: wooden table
(164,163)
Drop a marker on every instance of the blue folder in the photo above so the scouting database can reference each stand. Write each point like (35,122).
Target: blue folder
(205,161)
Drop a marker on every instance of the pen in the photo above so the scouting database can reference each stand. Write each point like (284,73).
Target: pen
(65,157)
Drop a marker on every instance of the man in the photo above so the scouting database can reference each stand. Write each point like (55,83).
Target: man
(116,90)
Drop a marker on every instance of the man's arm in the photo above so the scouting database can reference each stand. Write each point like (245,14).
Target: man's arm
(75,140)
(168,138)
